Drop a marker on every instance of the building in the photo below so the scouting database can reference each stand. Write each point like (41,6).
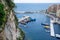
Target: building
(58,13)
(52,8)
(55,10)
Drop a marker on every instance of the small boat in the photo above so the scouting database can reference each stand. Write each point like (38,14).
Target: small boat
(57,36)
(47,30)
(46,24)
(33,19)
(47,27)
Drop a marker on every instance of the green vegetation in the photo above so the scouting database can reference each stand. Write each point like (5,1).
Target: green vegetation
(2,15)
(22,33)
(21,37)
(10,4)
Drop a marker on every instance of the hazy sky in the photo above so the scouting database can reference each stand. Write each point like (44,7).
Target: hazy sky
(37,1)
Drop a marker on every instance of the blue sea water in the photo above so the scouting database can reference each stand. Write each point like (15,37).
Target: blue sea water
(34,30)
(31,6)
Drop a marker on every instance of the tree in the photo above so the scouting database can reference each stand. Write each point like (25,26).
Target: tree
(2,13)
(10,4)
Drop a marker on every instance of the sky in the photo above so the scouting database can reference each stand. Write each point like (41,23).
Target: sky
(37,1)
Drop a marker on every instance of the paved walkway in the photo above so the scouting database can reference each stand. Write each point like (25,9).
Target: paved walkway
(56,20)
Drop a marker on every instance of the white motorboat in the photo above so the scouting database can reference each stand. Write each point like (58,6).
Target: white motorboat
(57,36)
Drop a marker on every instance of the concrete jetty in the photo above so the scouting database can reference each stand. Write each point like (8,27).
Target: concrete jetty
(52,33)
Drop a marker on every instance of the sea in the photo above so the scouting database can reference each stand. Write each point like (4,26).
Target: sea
(35,30)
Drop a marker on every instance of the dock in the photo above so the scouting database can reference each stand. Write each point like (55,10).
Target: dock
(52,33)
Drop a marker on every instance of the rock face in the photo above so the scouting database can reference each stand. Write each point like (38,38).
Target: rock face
(10,31)
(10,28)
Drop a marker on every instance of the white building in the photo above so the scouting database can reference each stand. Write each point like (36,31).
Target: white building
(58,13)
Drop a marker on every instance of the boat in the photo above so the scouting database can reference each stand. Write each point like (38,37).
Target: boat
(57,36)
(33,19)
(46,24)
(25,19)
(47,27)
(47,31)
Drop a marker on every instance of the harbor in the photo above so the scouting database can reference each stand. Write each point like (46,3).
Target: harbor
(46,24)
(53,20)
(38,29)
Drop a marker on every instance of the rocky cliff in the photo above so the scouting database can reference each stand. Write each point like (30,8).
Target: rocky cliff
(10,29)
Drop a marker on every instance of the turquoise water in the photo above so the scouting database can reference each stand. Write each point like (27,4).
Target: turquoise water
(34,30)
